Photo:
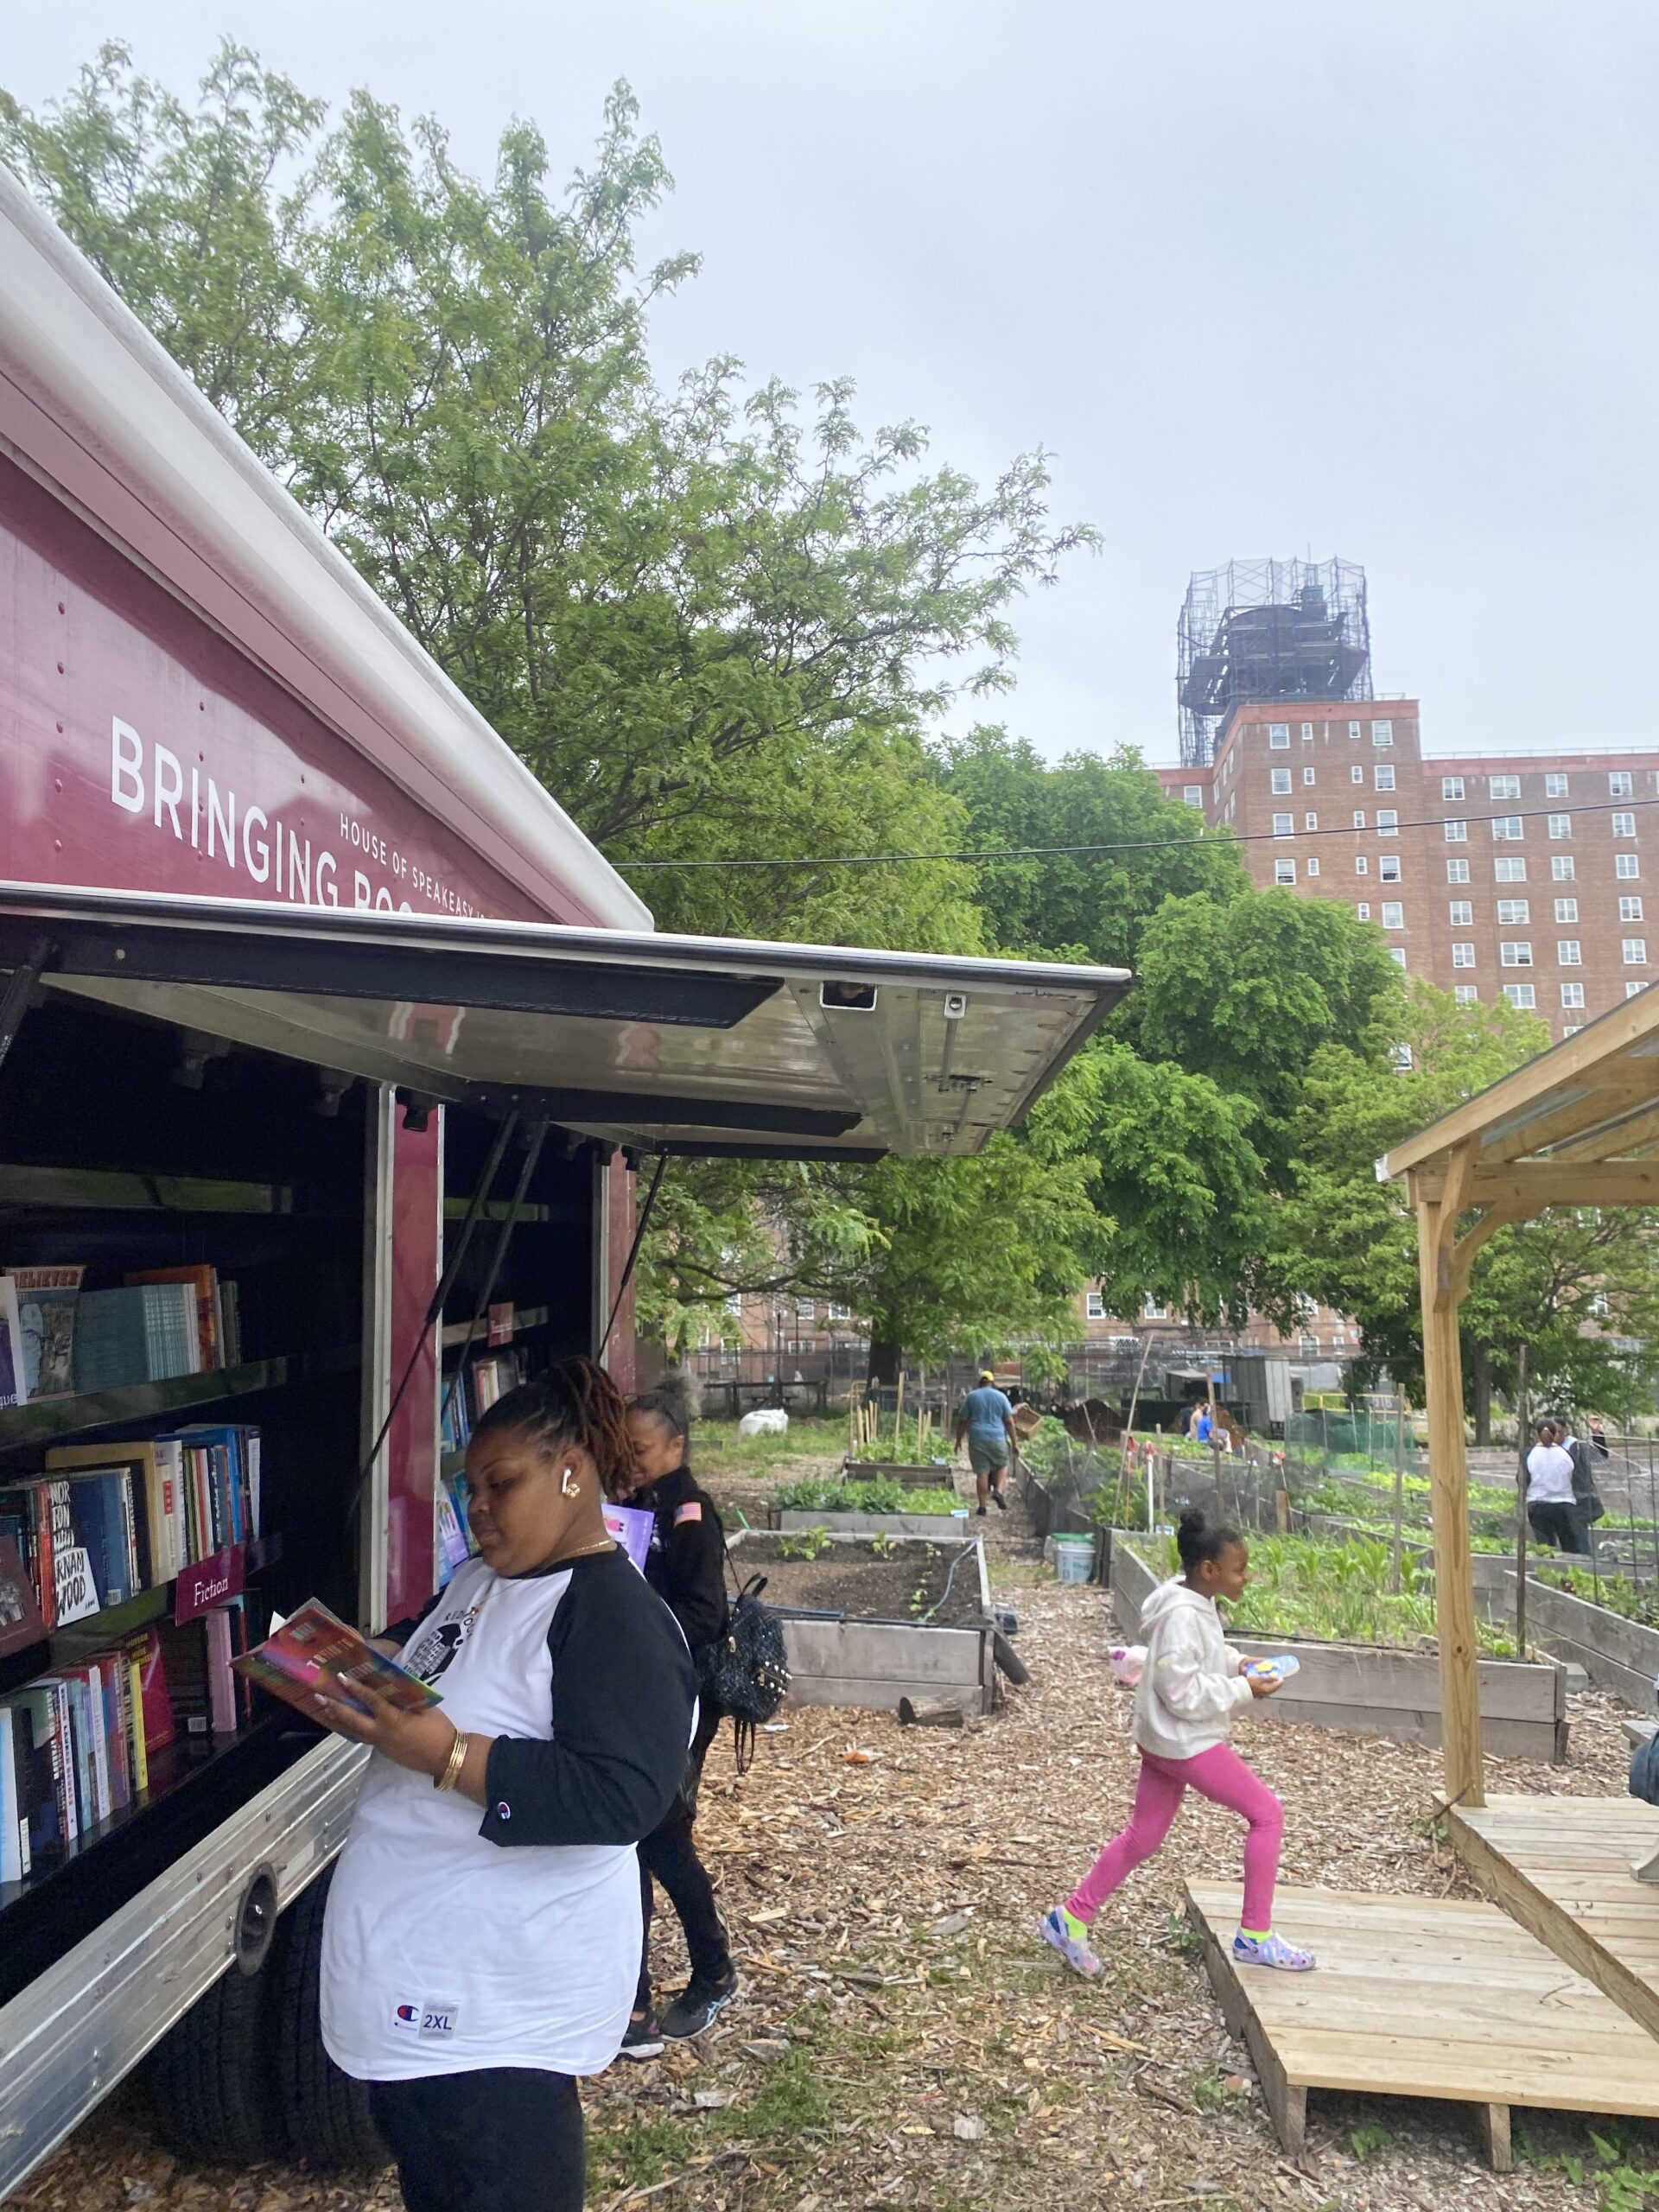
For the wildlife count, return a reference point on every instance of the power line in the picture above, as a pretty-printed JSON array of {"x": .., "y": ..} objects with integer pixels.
[{"x": 1144, "y": 844}]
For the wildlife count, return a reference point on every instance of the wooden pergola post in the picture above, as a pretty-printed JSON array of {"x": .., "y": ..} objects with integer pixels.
[{"x": 1444, "y": 1261}]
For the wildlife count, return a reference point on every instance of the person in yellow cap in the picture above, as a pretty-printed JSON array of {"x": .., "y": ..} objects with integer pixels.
[{"x": 985, "y": 1419}]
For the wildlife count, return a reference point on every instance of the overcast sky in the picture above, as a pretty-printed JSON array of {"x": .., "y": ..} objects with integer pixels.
[{"x": 1370, "y": 280}]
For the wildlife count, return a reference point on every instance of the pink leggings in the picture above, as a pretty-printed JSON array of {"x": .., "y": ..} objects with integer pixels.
[{"x": 1218, "y": 1774}]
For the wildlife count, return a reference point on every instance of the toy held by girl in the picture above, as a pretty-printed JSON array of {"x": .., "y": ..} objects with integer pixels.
[{"x": 1189, "y": 1683}]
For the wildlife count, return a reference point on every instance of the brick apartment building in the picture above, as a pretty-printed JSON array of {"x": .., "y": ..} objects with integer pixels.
[{"x": 1524, "y": 874}]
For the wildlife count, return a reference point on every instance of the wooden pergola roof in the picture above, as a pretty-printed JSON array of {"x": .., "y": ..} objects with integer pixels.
[{"x": 1577, "y": 1127}]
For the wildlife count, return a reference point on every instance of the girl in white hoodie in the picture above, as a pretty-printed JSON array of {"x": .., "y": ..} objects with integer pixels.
[{"x": 1191, "y": 1683}]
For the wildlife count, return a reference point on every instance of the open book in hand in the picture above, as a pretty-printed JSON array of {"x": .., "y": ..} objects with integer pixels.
[{"x": 312, "y": 1643}]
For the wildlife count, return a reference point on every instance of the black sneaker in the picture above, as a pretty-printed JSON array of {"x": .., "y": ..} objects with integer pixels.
[
  {"x": 644, "y": 2038},
  {"x": 1000, "y": 1500},
  {"x": 698, "y": 2004},
  {"x": 981, "y": 1513}
]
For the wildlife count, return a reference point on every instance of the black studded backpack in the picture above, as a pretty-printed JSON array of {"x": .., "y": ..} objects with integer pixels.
[{"x": 746, "y": 1671}]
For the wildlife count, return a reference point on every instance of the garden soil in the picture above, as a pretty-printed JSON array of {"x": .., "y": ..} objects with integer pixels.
[
  {"x": 900, "y": 1584},
  {"x": 903, "y": 2041}
]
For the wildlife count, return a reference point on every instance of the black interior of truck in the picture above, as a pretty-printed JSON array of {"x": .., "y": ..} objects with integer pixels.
[{"x": 127, "y": 1147}]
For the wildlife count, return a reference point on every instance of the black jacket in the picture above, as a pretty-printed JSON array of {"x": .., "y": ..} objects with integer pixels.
[{"x": 687, "y": 1563}]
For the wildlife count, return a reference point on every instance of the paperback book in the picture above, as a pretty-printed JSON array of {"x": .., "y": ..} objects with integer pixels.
[{"x": 314, "y": 1643}]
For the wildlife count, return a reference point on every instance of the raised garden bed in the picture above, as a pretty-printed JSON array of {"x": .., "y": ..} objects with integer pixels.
[
  {"x": 854, "y": 1625},
  {"x": 1382, "y": 1689},
  {"x": 915, "y": 1474},
  {"x": 1617, "y": 1654},
  {"x": 871, "y": 1505}
]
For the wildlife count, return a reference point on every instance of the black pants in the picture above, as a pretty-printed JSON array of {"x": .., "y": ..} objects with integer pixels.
[
  {"x": 504, "y": 2139},
  {"x": 670, "y": 1852},
  {"x": 1554, "y": 1522}
]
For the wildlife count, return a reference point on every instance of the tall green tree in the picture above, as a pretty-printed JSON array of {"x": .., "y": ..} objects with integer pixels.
[
  {"x": 1566, "y": 1286},
  {"x": 709, "y": 620},
  {"x": 1094, "y": 904}
]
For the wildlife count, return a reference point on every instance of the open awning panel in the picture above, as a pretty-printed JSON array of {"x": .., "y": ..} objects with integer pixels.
[{"x": 692, "y": 1044}]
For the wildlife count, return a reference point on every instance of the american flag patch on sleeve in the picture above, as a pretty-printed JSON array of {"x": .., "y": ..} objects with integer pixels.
[{"x": 692, "y": 1512}]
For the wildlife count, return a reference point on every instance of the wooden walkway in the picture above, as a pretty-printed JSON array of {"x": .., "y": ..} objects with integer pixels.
[
  {"x": 1565, "y": 1867},
  {"x": 1422, "y": 1997}
]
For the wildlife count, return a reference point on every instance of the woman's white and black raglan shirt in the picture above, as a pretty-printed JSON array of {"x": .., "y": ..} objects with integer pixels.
[{"x": 453, "y": 1943}]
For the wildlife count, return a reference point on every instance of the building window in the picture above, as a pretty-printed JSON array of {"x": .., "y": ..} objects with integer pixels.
[
  {"x": 1362, "y": 866},
  {"x": 1457, "y": 833},
  {"x": 1554, "y": 787},
  {"x": 1192, "y": 794},
  {"x": 1623, "y": 825},
  {"x": 1562, "y": 867},
  {"x": 1381, "y": 733},
  {"x": 1307, "y": 775},
  {"x": 1355, "y": 774},
  {"x": 1515, "y": 952},
  {"x": 1394, "y": 914},
  {"x": 1310, "y": 822},
  {"x": 1513, "y": 912},
  {"x": 1463, "y": 913},
  {"x": 1450, "y": 787},
  {"x": 1636, "y": 951},
  {"x": 1561, "y": 825},
  {"x": 1364, "y": 911},
  {"x": 1397, "y": 954},
  {"x": 1566, "y": 953},
  {"x": 1356, "y": 731},
  {"x": 1504, "y": 786},
  {"x": 1630, "y": 989},
  {"x": 1629, "y": 910},
  {"x": 839, "y": 1313},
  {"x": 1284, "y": 871},
  {"x": 1282, "y": 783},
  {"x": 1359, "y": 817},
  {"x": 1307, "y": 733},
  {"x": 1385, "y": 775},
  {"x": 1279, "y": 736},
  {"x": 806, "y": 1309},
  {"x": 1467, "y": 994},
  {"x": 1626, "y": 867},
  {"x": 1620, "y": 784},
  {"x": 1509, "y": 829},
  {"x": 1151, "y": 1311},
  {"x": 1094, "y": 1305},
  {"x": 1520, "y": 995},
  {"x": 1569, "y": 1029},
  {"x": 1284, "y": 825},
  {"x": 1312, "y": 868},
  {"x": 1401, "y": 1056},
  {"x": 1571, "y": 994},
  {"x": 1457, "y": 871},
  {"x": 1463, "y": 955},
  {"x": 1388, "y": 867},
  {"x": 1388, "y": 822},
  {"x": 1567, "y": 910}
]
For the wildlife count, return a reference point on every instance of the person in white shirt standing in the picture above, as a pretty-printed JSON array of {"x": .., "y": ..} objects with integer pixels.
[
  {"x": 1553, "y": 1510},
  {"x": 483, "y": 1932}
]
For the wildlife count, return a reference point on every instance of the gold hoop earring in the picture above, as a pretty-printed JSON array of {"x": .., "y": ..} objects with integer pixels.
[{"x": 567, "y": 1488}]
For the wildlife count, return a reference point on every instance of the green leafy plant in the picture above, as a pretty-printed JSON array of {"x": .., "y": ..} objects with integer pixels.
[
  {"x": 884, "y": 1495},
  {"x": 805, "y": 1543},
  {"x": 1369, "y": 2138}
]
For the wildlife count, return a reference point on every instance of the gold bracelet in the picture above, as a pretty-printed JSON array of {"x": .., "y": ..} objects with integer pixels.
[{"x": 451, "y": 1774}]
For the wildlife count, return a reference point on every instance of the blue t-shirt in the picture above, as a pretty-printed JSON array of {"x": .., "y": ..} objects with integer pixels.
[{"x": 986, "y": 1411}]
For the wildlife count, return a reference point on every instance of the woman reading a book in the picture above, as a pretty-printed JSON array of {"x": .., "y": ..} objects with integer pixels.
[{"x": 473, "y": 1967}]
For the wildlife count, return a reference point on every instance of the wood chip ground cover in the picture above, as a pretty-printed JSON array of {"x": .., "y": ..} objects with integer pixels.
[{"x": 902, "y": 2039}]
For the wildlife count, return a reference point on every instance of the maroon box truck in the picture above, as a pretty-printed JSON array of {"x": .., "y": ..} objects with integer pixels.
[{"x": 312, "y": 997}]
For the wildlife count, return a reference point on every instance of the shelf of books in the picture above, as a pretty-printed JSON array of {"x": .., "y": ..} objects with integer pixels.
[{"x": 180, "y": 1313}]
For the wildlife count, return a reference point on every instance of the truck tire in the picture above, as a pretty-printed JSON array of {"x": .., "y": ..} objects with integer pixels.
[
  {"x": 324, "y": 2114},
  {"x": 208, "y": 2085}
]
